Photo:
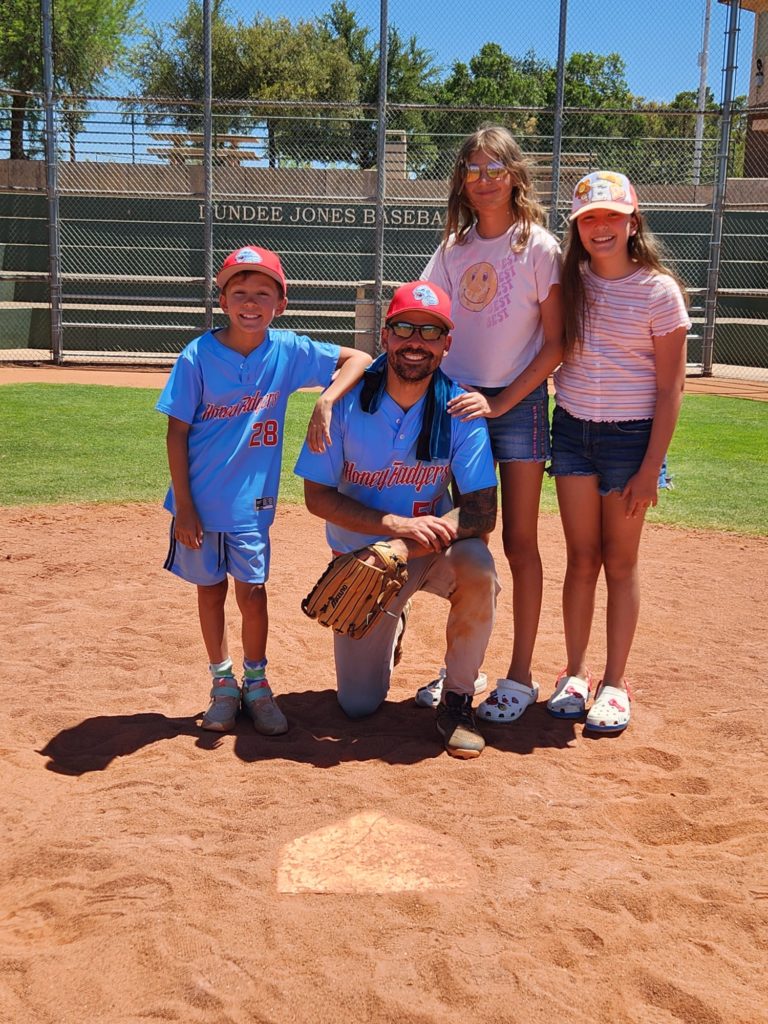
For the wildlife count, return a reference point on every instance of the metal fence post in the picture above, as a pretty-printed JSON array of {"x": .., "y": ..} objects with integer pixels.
[
  {"x": 715, "y": 246},
  {"x": 381, "y": 175},
  {"x": 52, "y": 189},
  {"x": 701, "y": 103},
  {"x": 208, "y": 165},
  {"x": 557, "y": 131}
]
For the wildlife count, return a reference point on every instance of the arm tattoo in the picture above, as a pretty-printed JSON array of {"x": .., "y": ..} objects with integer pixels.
[{"x": 476, "y": 515}]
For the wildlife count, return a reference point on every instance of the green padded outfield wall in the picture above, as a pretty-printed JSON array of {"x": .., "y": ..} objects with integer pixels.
[{"x": 138, "y": 241}]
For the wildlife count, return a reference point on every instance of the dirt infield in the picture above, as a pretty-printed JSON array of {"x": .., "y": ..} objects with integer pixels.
[{"x": 352, "y": 872}]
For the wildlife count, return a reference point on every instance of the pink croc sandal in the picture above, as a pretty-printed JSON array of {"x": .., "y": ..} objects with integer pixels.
[
  {"x": 570, "y": 697},
  {"x": 611, "y": 710}
]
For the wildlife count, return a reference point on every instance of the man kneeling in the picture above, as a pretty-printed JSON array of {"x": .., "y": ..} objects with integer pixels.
[{"x": 385, "y": 475}]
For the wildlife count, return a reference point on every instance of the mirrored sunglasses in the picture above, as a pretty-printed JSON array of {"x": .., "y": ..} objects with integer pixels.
[
  {"x": 428, "y": 332},
  {"x": 492, "y": 171}
]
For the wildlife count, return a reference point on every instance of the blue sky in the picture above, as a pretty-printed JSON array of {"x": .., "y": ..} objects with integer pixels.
[{"x": 659, "y": 40}]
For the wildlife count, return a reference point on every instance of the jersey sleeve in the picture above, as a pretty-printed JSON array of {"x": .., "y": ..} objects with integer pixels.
[
  {"x": 312, "y": 362},
  {"x": 546, "y": 266},
  {"x": 183, "y": 391},
  {"x": 472, "y": 462},
  {"x": 324, "y": 467},
  {"x": 668, "y": 311}
]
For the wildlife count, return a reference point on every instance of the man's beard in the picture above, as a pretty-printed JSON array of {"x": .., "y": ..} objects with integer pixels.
[{"x": 411, "y": 372}]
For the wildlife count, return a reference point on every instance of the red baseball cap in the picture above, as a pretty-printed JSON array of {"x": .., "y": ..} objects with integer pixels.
[
  {"x": 251, "y": 257},
  {"x": 424, "y": 296}
]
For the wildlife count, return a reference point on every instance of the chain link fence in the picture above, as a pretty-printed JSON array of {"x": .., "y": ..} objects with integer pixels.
[{"x": 110, "y": 234}]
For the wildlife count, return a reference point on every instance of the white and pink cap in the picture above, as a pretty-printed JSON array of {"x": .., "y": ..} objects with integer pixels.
[{"x": 603, "y": 190}]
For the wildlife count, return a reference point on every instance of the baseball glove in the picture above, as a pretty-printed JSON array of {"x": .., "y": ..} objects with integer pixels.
[{"x": 351, "y": 594}]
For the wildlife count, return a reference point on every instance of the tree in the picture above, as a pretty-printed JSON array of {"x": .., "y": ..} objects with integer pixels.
[
  {"x": 88, "y": 41},
  {"x": 412, "y": 78},
  {"x": 168, "y": 67},
  {"x": 495, "y": 80},
  {"x": 264, "y": 60},
  {"x": 301, "y": 62}
]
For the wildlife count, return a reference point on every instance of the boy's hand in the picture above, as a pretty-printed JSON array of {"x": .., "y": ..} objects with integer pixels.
[
  {"x": 188, "y": 528},
  {"x": 319, "y": 429}
]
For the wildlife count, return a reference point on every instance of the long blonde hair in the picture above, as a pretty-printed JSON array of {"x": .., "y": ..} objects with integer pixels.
[
  {"x": 525, "y": 207},
  {"x": 644, "y": 250}
]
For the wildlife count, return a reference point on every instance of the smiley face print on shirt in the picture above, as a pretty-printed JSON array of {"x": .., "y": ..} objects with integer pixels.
[{"x": 478, "y": 286}]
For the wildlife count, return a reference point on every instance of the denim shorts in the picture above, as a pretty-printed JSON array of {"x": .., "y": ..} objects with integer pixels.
[
  {"x": 612, "y": 452},
  {"x": 245, "y": 556},
  {"x": 522, "y": 433}
]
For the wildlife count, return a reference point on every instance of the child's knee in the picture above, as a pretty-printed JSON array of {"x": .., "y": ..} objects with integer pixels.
[
  {"x": 213, "y": 594},
  {"x": 251, "y": 596},
  {"x": 585, "y": 562},
  {"x": 520, "y": 551},
  {"x": 620, "y": 567}
]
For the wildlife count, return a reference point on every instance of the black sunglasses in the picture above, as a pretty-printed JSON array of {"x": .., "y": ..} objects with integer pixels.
[{"x": 429, "y": 332}]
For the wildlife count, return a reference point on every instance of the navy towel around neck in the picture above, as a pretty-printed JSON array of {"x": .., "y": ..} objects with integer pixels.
[{"x": 435, "y": 436}]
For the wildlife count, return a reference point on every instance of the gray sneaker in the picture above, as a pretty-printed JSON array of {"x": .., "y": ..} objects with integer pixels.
[
  {"x": 456, "y": 724},
  {"x": 224, "y": 707},
  {"x": 259, "y": 703}
]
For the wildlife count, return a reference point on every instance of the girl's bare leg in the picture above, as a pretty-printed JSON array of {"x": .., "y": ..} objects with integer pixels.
[{"x": 520, "y": 498}]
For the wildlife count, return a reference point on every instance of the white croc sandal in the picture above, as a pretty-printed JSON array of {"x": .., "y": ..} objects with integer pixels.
[
  {"x": 429, "y": 696},
  {"x": 570, "y": 697},
  {"x": 508, "y": 701},
  {"x": 611, "y": 710}
]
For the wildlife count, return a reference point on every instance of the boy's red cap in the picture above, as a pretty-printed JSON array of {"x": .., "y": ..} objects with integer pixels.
[
  {"x": 424, "y": 296},
  {"x": 251, "y": 257}
]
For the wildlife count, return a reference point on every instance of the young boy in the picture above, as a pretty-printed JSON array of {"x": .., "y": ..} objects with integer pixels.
[{"x": 226, "y": 404}]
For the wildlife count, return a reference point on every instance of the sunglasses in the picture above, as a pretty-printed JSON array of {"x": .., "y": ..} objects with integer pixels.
[
  {"x": 492, "y": 171},
  {"x": 428, "y": 332}
]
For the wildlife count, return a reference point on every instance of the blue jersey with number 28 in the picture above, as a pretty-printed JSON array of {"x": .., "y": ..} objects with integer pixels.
[{"x": 236, "y": 407}]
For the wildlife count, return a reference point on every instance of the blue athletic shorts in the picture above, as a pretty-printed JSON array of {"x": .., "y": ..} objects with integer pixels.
[
  {"x": 245, "y": 556},
  {"x": 522, "y": 433},
  {"x": 611, "y": 451}
]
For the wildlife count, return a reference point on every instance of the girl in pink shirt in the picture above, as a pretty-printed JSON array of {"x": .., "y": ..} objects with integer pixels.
[{"x": 618, "y": 396}]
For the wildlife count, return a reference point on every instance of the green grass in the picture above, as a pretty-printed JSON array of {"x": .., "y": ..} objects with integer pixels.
[
  {"x": 72, "y": 443},
  {"x": 86, "y": 443}
]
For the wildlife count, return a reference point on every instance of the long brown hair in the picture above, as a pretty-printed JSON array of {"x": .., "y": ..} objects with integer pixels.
[
  {"x": 525, "y": 208},
  {"x": 644, "y": 250}
]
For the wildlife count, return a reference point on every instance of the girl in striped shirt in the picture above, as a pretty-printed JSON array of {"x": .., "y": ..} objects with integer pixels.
[{"x": 618, "y": 396}]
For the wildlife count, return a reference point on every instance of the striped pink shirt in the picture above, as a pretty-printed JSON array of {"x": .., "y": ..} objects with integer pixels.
[{"x": 613, "y": 377}]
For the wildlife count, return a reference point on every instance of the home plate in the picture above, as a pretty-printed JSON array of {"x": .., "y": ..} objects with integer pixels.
[{"x": 370, "y": 853}]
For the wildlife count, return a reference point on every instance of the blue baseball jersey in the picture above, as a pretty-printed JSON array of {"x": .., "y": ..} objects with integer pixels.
[
  {"x": 373, "y": 460},
  {"x": 236, "y": 408}
]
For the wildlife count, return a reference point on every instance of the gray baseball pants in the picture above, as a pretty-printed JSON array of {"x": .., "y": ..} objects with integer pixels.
[{"x": 465, "y": 575}]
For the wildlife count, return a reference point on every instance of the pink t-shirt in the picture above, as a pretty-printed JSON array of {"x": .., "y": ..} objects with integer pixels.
[
  {"x": 613, "y": 376},
  {"x": 495, "y": 295}
]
